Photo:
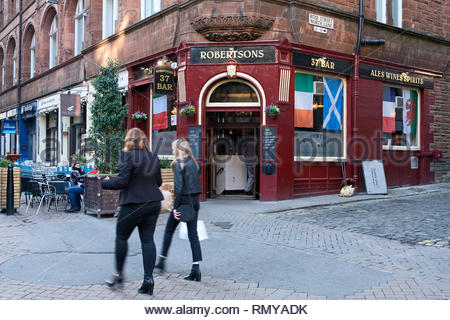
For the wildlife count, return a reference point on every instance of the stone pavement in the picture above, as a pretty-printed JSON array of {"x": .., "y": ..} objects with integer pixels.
[{"x": 364, "y": 247}]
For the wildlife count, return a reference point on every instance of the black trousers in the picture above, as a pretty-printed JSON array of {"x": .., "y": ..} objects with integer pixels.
[
  {"x": 143, "y": 216},
  {"x": 172, "y": 224}
]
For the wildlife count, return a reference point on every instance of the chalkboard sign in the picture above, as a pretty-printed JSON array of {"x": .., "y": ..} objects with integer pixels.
[
  {"x": 269, "y": 151},
  {"x": 374, "y": 177},
  {"x": 195, "y": 140},
  {"x": 269, "y": 141}
]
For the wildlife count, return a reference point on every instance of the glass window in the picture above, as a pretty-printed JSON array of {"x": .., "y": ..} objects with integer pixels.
[
  {"x": 14, "y": 70},
  {"x": 164, "y": 124},
  {"x": 33, "y": 56},
  {"x": 400, "y": 117},
  {"x": 319, "y": 116},
  {"x": 53, "y": 42},
  {"x": 233, "y": 92},
  {"x": 397, "y": 13},
  {"x": 380, "y": 8},
  {"x": 3, "y": 72},
  {"x": 149, "y": 7},
  {"x": 79, "y": 27},
  {"x": 110, "y": 14}
]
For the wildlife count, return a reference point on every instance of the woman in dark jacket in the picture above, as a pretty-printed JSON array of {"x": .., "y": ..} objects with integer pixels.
[
  {"x": 139, "y": 180},
  {"x": 187, "y": 191},
  {"x": 77, "y": 189}
]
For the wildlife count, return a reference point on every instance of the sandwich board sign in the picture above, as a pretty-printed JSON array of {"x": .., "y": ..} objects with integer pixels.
[{"x": 374, "y": 177}]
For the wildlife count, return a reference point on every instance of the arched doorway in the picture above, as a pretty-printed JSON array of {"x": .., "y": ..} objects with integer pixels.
[{"x": 233, "y": 118}]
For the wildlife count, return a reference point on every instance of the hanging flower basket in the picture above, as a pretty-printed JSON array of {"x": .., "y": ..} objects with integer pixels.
[
  {"x": 188, "y": 111},
  {"x": 140, "y": 116},
  {"x": 272, "y": 111}
]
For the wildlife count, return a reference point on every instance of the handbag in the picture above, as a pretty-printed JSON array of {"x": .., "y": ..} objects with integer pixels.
[
  {"x": 166, "y": 204},
  {"x": 187, "y": 212}
]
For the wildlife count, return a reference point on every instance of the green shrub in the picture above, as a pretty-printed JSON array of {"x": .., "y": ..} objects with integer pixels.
[{"x": 5, "y": 162}]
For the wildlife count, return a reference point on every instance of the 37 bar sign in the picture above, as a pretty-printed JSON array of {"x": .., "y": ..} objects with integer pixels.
[{"x": 163, "y": 80}]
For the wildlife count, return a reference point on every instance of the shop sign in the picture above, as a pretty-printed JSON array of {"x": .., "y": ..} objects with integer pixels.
[
  {"x": 241, "y": 54},
  {"x": 28, "y": 110},
  {"x": 8, "y": 126},
  {"x": 123, "y": 79},
  {"x": 70, "y": 105},
  {"x": 163, "y": 80},
  {"x": 321, "y": 63},
  {"x": 48, "y": 104},
  {"x": 11, "y": 113},
  {"x": 396, "y": 76},
  {"x": 321, "y": 21}
]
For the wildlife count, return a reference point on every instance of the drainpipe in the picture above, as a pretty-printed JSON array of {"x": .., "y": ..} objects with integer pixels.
[
  {"x": 19, "y": 83},
  {"x": 355, "y": 129}
]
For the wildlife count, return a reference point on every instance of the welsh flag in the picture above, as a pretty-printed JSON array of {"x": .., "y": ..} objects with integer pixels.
[
  {"x": 303, "y": 117},
  {"x": 388, "y": 109},
  {"x": 409, "y": 111},
  {"x": 160, "y": 113}
]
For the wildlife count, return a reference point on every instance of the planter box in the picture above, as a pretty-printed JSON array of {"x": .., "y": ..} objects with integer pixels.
[
  {"x": 98, "y": 201},
  {"x": 3, "y": 187},
  {"x": 167, "y": 178}
]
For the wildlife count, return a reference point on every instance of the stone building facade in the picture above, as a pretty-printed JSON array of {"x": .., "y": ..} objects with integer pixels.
[{"x": 139, "y": 32}]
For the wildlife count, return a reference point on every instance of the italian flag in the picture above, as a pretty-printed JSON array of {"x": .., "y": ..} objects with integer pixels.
[
  {"x": 409, "y": 111},
  {"x": 160, "y": 113},
  {"x": 303, "y": 117},
  {"x": 388, "y": 109}
]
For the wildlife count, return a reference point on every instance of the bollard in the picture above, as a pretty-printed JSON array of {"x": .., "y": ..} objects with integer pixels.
[{"x": 10, "y": 192}]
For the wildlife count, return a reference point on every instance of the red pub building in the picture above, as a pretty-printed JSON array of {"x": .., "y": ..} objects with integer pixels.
[{"x": 326, "y": 121}]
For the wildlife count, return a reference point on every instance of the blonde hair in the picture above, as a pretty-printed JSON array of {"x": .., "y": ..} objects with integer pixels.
[
  {"x": 181, "y": 150},
  {"x": 136, "y": 140}
]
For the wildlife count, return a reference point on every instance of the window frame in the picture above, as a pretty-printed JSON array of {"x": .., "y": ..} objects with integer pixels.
[
  {"x": 79, "y": 21},
  {"x": 397, "y": 13},
  {"x": 145, "y": 4},
  {"x": 418, "y": 125},
  {"x": 110, "y": 9},
  {"x": 232, "y": 104},
  {"x": 380, "y": 10},
  {"x": 33, "y": 56},
  {"x": 53, "y": 43},
  {"x": 14, "y": 67},
  {"x": 344, "y": 121}
]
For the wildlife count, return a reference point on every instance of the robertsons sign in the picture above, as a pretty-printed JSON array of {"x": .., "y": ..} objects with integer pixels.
[{"x": 241, "y": 54}]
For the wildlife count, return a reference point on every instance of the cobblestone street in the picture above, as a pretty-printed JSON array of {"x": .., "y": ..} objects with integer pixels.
[{"x": 371, "y": 249}]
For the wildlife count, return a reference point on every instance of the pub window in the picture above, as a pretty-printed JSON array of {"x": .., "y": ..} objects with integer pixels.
[
  {"x": 397, "y": 13},
  {"x": 319, "y": 116},
  {"x": 149, "y": 7},
  {"x": 235, "y": 92},
  {"x": 164, "y": 124},
  {"x": 400, "y": 117}
]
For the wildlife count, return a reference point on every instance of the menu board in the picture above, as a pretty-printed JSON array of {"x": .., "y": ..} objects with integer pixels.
[
  {"x": 195, "y": 140},
  {"x": 374, "y": 177},
  {"x": 269, "y": 150},
  {"x": 269, "y": 141}
]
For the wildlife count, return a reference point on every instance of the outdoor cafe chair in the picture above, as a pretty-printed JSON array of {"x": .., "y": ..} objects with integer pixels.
[
  {"x": 60, "y": 191},
  {"x": 41, "y": 191}
]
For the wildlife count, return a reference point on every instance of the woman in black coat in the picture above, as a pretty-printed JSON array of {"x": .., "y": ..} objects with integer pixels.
[
  {"x": 187, "y": 191},
  {"x": 139, "y": 180}
]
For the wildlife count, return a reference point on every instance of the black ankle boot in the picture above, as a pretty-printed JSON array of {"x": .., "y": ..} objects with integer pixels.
[
  {"x": 115, "y": 280},
  {"x": 195, "y": 273},
  {"x": 161, "y": 265},
  {"x": 147, "y": 286}
]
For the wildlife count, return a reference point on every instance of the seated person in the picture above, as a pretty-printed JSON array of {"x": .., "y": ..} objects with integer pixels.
[{"x": 77, "y": 189}]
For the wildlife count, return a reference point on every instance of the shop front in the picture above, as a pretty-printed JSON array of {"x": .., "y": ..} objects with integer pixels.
[
  {"x": 9, "y": 132},
  {"x": 49, "y": 135},
  {"x": 27, "y": 131},
  {"x": 274, "y": 120}
]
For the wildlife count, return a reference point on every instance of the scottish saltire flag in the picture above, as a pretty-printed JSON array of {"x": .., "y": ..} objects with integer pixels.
[
  {"x": 160, "y": 113},
  {"x": 303, "y": 116},
  {"x": 388, "y": 109},
  {"x": 409, "y": 111},
  {"x": 332, "y": 104}
]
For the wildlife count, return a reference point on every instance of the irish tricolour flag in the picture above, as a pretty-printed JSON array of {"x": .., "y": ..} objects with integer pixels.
[
  {"x": 388, "y": 109},
  {"x": 160, "y": 113},
  {"x": 303, "y": 117},
  {"x": 409, "y": 111}
]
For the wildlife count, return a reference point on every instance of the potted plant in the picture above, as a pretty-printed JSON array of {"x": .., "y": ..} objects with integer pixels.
[
  {"x": 188, "y": 110},
  {"x": 139, "y": 116},
  {"x": 272, "y": 111},
  {"x": 4, "y": 183},
  {"x": 108, "y": 115}
]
